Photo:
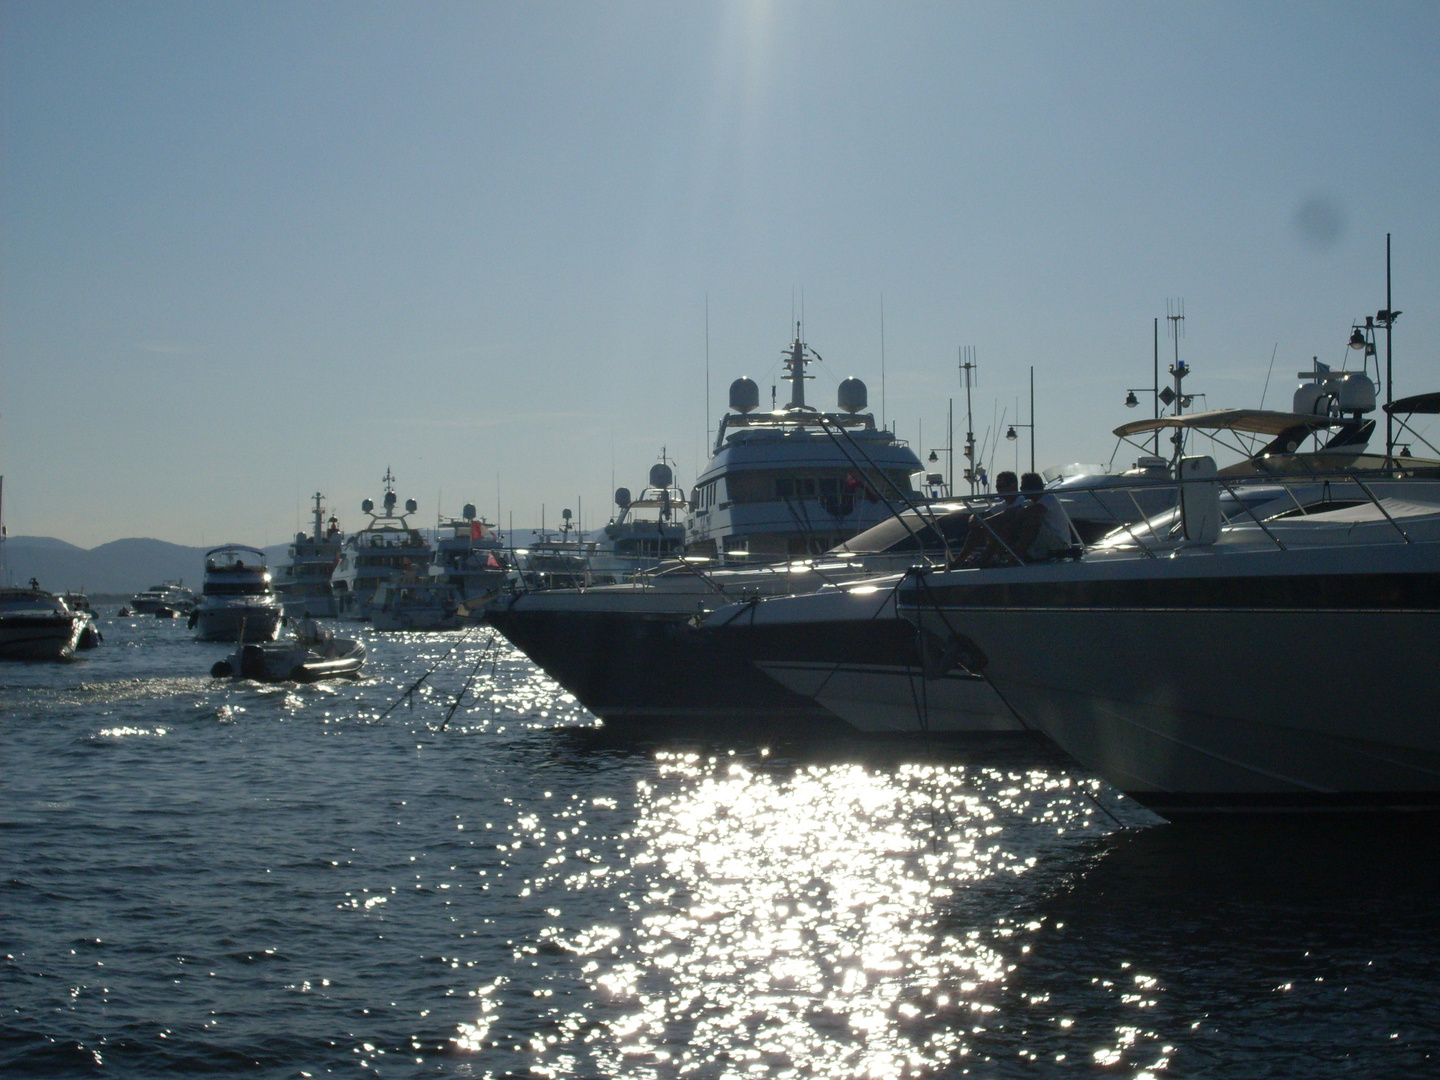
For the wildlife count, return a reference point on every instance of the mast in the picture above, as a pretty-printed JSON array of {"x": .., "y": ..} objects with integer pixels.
[
  {"x": 319, "y": 517},
  {"x": 1390, "y": 314},
  {"x": 796, "y": 365},
  {"x": 967, "y": 369}
]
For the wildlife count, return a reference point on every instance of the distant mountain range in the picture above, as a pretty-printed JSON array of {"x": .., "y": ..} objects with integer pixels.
[{"x": 121, "y": 567}]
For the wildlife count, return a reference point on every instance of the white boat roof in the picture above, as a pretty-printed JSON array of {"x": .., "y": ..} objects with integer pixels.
[{"x": 1256, "y": 421}]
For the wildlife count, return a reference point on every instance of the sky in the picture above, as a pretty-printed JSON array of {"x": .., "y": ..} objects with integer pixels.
[{"x": 251, "y": 251}]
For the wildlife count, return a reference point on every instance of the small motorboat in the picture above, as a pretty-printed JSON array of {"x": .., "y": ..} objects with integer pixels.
[{"x": 313, "y": 655}]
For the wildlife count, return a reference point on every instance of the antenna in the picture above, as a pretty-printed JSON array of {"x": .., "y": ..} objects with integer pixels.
[
  {"x": 968, "y": 380},
  {"x": 882, "y": 360},
  {"x": 707, "y": 383}
]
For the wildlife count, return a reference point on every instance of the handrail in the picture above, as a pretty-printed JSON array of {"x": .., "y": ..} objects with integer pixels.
[
  {"x": 1246, "y": 507},
  {"x": 1371, "y": 495}
]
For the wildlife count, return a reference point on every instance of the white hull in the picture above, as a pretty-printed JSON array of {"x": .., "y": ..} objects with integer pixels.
[
  {"x": 847, "y": 650},
  {"x": 1121, "y": 692},
  {"x": 1232, "y": 673},
  {"x": 880, "y": 699}
]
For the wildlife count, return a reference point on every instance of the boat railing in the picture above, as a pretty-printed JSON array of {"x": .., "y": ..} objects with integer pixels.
[{"x": 1260, "y": 501}]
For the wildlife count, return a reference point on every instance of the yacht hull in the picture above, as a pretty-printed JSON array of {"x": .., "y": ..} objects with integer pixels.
[
  {"x": 850, "y": 653},
  {"x": 39, "y": 637},
  {"x": 261, "y": 623},
  {"x": 1288, "y": 695},
  {"x": 650, "y": 672}
]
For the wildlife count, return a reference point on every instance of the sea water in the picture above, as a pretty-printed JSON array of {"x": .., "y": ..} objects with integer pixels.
[{"x": 207, "y": 877}]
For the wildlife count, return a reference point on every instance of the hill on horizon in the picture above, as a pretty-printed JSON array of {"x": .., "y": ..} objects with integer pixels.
[{"x": 120, "y": 567}]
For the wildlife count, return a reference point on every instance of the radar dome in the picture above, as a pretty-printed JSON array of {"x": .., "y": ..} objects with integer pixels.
[
  {"x": 389, "y": 500},
  {"x": 367, "y": 506},
  {"x": 411, "y": 506},
  {"x": 660, "y": 475},
  {"x": 622, "y": 498},
  {"x": 744, "y": 395},
  {"x": 300, "y": 538},
  {"x": 565, "y": 513},
  {"x": 1357, "y": 394},
  {"x": 469, "y": 512},
  {"x": 1307, "y": 397},
  {"x": 852, "y": 395}
]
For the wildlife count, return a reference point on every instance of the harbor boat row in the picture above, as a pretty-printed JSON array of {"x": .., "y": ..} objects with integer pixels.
[
  {"x": 1200, "y": 635},
  {"x": 1234, "y": 628}
]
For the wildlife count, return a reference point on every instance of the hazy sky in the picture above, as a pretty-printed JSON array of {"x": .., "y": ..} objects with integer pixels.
[{"x": 251, "y": 250}]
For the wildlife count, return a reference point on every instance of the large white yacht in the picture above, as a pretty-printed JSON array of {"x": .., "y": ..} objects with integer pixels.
[
  {"x": 648, "y": 530},
  {"x": 387, "y": 547},
  {"x": 796, "y": 480},
  {"x": 304, "y": 582},
  {"x": 237, "y": 600},
  {"x": 471, "y": 558}
]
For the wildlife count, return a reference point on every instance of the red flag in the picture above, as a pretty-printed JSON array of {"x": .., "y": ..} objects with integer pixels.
[{"x": 476, "y": 530}]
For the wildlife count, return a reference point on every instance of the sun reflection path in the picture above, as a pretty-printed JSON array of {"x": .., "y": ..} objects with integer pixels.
[{"x": 787, "y": 922}]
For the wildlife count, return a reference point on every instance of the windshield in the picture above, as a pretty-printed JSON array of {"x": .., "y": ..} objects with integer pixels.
[{"x": 911, "y": 531}]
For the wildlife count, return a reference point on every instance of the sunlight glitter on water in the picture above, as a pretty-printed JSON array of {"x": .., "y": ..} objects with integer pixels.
[{"x": 805, "y": 923}]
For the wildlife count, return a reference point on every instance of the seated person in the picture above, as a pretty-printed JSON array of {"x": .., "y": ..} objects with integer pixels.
[
  {"x": 1044, "y": 531},
  {"x": 982, "y": 548}
]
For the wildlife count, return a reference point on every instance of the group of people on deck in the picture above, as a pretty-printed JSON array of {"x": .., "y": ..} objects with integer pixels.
[{"x": 1026, "y": 523}]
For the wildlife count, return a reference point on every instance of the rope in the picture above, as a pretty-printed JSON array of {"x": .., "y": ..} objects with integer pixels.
[
  {"x": 417, "y": 683},
  {"x": 470, "y": 679}
]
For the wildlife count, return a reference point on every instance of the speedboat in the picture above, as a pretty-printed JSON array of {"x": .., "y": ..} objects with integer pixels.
[
  {"x": 387, "y": 547},
  {"x": 237, "y": 601},
  {"x": 304, "y": 582},
  {"x": 169, "y": 598},
  {"x": 314, "y": 654},
  {"x": 37, "y": 625},
  {"x": 1279, "y": 656}
]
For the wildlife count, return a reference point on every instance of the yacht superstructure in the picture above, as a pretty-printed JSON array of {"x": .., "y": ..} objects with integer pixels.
[
  {"x": 304, "y": 582},
  {"x": 647, "y": 530},
  {"x": 796, "y": 480},
  {"x": 387, "y": 547},
  {"x": 471, "y": 558}
]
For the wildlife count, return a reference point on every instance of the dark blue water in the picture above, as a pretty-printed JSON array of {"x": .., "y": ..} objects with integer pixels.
[{"x": 214, "y": 878}]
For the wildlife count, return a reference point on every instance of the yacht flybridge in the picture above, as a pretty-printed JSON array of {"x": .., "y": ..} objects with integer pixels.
[
  {"x": 387, "y": 547},
  {"x": 796, "y": 480}
]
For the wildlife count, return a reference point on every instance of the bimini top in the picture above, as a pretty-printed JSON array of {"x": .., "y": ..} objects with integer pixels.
[
  {"x": 1253, "y": 421},
  {"x": 1416, "y": 403},
  {"x": 234, "y": 557},
  {"x": 236, "y": 548}
]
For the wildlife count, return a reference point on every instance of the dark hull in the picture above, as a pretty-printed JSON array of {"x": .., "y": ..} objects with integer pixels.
[{"x": 653, "y": 674}]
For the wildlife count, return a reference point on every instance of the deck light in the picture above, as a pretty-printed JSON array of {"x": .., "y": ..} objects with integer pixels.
[{"x": 1131, "y": 400}]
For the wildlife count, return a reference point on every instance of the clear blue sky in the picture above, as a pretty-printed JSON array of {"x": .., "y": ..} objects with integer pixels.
[{"x": 251, "y": 250}]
